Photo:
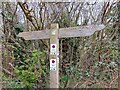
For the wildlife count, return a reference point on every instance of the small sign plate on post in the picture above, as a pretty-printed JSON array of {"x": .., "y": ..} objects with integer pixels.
[
  {"x": 53, "y": 49},
  {"x": 53, "y": 64}
]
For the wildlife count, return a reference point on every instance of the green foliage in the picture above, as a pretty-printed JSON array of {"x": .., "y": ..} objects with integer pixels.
[
  {"x": 63, "y": 80},
  {"x": 32, "y": 68},
  {"x": 11, "y": 82}
]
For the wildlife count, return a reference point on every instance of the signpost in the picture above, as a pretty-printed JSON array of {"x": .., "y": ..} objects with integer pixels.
[{"x": 54, "y": 34}]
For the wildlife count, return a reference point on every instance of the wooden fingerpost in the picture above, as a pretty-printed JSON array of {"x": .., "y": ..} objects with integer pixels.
[
  {"x": 54, "y": 60},
  {"x": 54, "y": 34}
]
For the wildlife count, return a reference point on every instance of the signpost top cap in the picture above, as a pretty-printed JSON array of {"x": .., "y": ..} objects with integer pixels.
[{"x": 54, "y": 25}]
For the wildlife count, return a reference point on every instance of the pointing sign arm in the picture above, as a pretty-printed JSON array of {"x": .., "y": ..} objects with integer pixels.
[
  {"x": 63, "y": 32},
  {"x": 34, "y": 35},
  {"x": 79, "y": 31}
]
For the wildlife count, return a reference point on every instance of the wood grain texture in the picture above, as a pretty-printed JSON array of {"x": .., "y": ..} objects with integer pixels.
[
  {"x": 79, "y": 31},
  {"x": 63, "y": 32},
  {"x": 34, "y": 35},
  {"x": 54, "y": 74}
]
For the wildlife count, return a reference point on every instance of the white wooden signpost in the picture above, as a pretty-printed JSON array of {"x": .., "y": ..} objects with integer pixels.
[{"x": 54, "y": 34}]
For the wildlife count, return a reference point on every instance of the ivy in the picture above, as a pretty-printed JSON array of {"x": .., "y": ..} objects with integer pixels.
[{"x": 33, "y": 67}]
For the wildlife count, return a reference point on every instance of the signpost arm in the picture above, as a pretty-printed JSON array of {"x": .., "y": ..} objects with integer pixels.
[
  {"x": 54, "y": 60},
  {"x": 63, "y": 32}
]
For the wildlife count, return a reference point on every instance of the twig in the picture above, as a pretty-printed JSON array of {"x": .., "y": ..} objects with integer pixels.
[{"x": 8, "y": 72}]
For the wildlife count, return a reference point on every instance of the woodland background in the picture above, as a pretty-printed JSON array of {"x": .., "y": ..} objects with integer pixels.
[{"x": 85, "y": 62}]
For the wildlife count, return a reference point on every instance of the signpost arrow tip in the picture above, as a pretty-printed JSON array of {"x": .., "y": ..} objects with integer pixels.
[{"x": 100, "y": 27}]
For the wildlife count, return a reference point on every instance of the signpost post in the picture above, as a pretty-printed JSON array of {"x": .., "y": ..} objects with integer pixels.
[
  {"x": 54, "y": 60},
  {"x": 54, "y": 34}
]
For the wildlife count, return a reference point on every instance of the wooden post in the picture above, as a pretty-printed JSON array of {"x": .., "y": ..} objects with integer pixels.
[{"x": 54, "y": 60}]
